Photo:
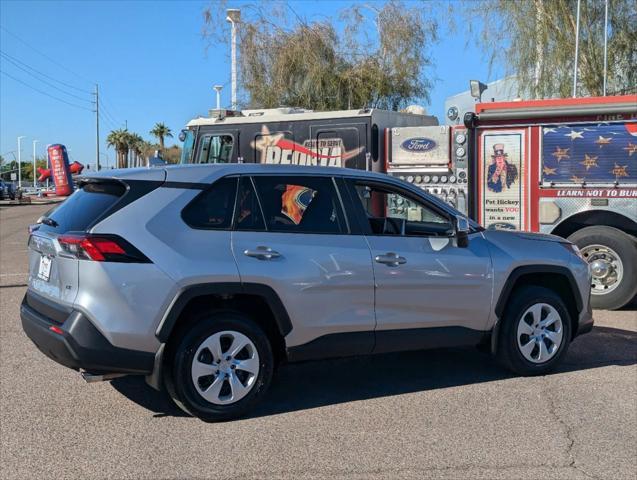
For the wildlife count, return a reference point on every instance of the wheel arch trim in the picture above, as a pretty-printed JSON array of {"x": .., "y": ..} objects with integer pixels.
[
  {"x": 190, "y": 292},
  {"x": 523, "y": 270},
  {"x": 510, "y": 282},
  {"x": 612, "y": 219}
]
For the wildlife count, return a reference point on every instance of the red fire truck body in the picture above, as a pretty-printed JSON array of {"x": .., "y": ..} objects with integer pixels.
[{"x": 566, "y": 167}]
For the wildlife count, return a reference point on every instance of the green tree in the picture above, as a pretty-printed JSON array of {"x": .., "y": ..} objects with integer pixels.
[
  {"x": 172, "y": 154},
  {"x": 27, "y": 168},
  {"x": 119, "y": 140},
  {"x": 536, "y": 41},
  {"x": 135, "y": 143},
  {"x": 375, "y": 55},
  {"x": 161, "y": 131}
]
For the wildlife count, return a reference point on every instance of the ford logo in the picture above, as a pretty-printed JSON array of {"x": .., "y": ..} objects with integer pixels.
[{"x": 418, "y": 144}]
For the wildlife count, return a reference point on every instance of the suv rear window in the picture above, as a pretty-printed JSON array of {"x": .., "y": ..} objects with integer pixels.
[
  {"x": 78, "y": 212},
  {"x": 212, "y": 209}
]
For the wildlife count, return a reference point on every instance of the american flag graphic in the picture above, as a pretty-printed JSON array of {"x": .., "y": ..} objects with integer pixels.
[{"x": 590, "y": 153}]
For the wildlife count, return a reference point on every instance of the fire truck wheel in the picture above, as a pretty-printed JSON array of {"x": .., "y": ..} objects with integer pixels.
[{"x": 612, "y": 255}]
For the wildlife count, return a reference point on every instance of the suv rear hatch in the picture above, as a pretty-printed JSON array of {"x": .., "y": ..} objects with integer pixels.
[{"x": 53, "y": 264}]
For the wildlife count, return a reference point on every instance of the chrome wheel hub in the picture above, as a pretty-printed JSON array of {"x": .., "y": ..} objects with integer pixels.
[
  {"x": 606, "y": 267},
  {"x": 225, "y": 367},
  {"x": 539, "y": 333}
]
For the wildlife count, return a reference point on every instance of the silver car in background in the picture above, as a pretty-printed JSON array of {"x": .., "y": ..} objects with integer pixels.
[{"x": 204, "y": 278}]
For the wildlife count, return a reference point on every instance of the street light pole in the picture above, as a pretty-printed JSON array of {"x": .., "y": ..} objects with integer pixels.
[
  {"x": 20, "y": 160},
  {"x": 234, "y": 16},
  {"x": 34, "y": 142},
  {"x": 218, "y": 90}
]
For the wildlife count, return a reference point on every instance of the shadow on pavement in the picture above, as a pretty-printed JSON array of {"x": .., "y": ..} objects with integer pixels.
[
  {"x": 136, "y": 389},
  {"x": 314, "y": 384}
]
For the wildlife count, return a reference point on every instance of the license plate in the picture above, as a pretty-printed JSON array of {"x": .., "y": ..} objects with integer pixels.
[{"x": 44, "y": 271}]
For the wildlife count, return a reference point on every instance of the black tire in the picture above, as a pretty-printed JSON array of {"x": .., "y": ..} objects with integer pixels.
[
  {"x": 508, "y": 352},
  {"x": 177, "y": 374},
  {"x": 626, "y": 248}
]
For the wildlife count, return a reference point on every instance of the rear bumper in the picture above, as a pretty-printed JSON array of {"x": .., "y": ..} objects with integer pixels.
[{"x": 78, "y": 344}]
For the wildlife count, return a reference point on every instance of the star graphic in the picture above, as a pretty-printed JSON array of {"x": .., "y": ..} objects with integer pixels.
[
  {"x": 619, "y": 171},
  {"x": 575, "y": 179},
  {"x": 601, "y": 141},
  {"x": 574, "y": 134},
  {"x": 549, "y": 130},
  {"x": 549, "y": 171},
  {"x": 589, "y": 161},
  {"x": 561, "y": 153},
  {"x": 266, "y": 140},
  {"x": 631, "y": 148}
]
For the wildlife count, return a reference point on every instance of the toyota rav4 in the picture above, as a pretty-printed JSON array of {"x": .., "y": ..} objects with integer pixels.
[{"x": 204, "y": 278}]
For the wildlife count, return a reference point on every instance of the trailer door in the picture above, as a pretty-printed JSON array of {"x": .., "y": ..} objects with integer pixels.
[{"x": 338, "y": 145}]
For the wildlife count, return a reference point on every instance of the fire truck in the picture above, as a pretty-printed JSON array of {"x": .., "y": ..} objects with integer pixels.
[{"x": 566, "y": 167}]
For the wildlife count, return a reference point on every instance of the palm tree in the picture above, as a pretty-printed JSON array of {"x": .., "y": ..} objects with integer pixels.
[
  {"x": 135, "y": 145},
  {"x": 160, "y": 131},
  {"x": 118, "y": 139}
]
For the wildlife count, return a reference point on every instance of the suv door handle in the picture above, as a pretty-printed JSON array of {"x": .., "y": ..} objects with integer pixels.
[
  {"x": 391, "y": 259},
  {"x": 262, "y": 253}
]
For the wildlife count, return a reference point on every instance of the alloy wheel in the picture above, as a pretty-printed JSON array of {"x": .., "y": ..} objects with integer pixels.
[
  {"x": 540, "y": 333},
  {"x": 225, "y": 367}
]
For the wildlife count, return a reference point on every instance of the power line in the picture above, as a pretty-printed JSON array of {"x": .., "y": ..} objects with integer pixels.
[
  {"x": 107, "y": 112},
  {"x": 14, "y": 59},
  {"x": 109, "y": 122},
  {"x": 42, "y": 80},
  {"x": 109, "y": 108},
  {"x": 56, "y": 62},
  {"x": 43, "y": 92}
]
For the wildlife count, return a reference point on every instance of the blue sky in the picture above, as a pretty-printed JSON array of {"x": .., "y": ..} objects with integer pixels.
[{"x": 151, "y": 65}]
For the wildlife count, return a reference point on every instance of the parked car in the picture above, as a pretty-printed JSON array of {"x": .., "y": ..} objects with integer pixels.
[
  {"x": 205, "y": 278},
  {"x": 8, "y": 191}
]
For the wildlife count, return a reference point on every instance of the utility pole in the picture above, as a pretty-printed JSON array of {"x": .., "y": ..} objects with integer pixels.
[
  {"x": 97, "y": 127},
  {"x": 605, "y": 44},
  {"x": 234, "y": 16},
  {"x": 34, "y": 142},
  {"x": 579, "y": 2},
  {"x": 20, "y": 160}
]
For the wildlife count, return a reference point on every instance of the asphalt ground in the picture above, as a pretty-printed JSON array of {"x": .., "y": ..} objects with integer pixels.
[{"x": 450, "y": 413}]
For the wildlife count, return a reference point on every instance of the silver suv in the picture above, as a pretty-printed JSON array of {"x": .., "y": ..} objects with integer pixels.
[{"x": 205, "y": 277}]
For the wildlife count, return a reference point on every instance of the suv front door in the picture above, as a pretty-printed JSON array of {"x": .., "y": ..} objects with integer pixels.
[
  {"x": 423, "y": 279},
  {"x": 290, "y": 233}
]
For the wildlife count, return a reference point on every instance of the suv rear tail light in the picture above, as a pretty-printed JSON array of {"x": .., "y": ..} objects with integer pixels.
[{"x": 101, "y": 248}]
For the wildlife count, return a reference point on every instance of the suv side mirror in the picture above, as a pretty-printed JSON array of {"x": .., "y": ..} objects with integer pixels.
[{"x": 462, "y": 231}]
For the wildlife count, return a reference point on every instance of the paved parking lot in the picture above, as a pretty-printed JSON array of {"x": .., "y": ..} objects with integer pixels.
[{"x": 437, "y": 414}]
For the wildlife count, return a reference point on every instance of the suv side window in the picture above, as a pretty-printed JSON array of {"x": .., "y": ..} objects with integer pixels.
[
  {"x": 248, "y": 215},
  {"x": 215, "y": 149},
  {"x": 212, "y": 209},
  {"x": 300, "y": 204},
  {"x": 390, "y": 212}
]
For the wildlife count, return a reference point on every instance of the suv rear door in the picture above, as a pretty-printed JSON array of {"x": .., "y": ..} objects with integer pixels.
[{"x": 290, "y": 233}]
